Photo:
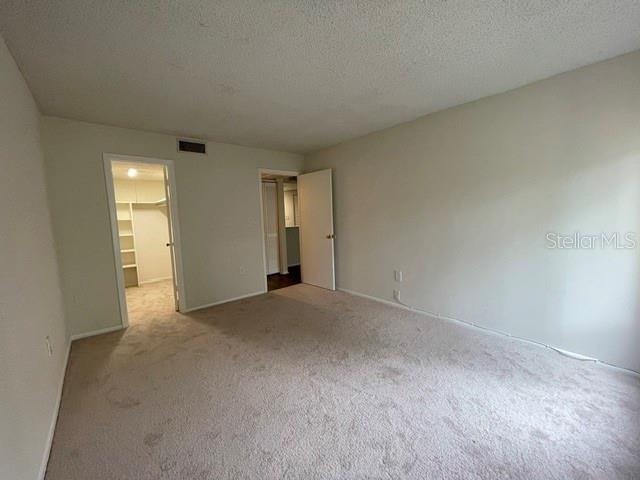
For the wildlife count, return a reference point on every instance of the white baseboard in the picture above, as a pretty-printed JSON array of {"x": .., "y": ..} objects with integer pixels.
[
  {"x": 93, "y": 333},
  {"x": 200, "y": 307},
  {"x": 54, "y": 419},
  {"x": 379, "y": 300},
  {"x": 567, "y": 353},
  {"x": 294, "y": 265}
]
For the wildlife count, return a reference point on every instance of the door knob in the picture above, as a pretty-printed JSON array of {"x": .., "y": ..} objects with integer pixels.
[
  {"x": 330, "y": 236},
  {"x": 168, "y": 244}
]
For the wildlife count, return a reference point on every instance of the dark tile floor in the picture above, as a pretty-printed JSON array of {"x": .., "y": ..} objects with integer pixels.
[{"x": 277, "y": 280}]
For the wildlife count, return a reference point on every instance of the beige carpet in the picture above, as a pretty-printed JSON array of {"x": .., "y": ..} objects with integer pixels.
[{"x": 304, "y": 383}]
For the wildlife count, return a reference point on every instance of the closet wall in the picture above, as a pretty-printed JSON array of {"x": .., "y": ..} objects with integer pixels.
[
  {"x": 130, "y": 190},
  {"x": 151, "y": 256},
  {"x": 291, "y": 223}
]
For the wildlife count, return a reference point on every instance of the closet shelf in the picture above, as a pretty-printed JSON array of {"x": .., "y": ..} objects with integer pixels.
[
  {"x": 125, "y": 221},
  {"x": 159, "y": 203}
]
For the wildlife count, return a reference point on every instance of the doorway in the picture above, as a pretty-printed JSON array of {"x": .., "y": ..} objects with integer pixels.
[
  {"x": 280, "y": 230},
  {"x": 297, "y": 221},
  {"x": 142, "y": 209}
]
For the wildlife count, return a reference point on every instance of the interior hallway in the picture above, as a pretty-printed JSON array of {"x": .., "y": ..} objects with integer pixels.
[{"x": 307, "y": 383}]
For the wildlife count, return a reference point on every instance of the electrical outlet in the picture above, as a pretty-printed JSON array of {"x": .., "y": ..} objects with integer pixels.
[
  {"x": 398, "y": 275},
  {"x": 49, "y": 346},
  {"x": 243, "y": 270},
  {"x": 396, "y": 295}
]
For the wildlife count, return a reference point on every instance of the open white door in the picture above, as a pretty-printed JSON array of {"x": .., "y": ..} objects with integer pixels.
[
  {"x": 315, "y": 200},
  {"x": 171, "y": 244}
]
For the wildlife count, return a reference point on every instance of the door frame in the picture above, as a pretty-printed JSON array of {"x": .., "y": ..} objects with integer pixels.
[
  {"x": 268, "y": 171},
  {"x": 172, "y": 205}
]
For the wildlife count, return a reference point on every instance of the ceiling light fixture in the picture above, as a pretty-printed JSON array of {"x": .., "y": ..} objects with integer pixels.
[{"x": 132, "y": 172}]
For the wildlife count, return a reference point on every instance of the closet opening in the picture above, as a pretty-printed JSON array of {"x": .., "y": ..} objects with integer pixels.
[
  {"x": 281, "y": 222},
  {"x": 142, "y": 206}
]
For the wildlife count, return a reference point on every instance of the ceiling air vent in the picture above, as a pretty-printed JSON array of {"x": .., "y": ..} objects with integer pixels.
[{"x": 193, "y": 147}]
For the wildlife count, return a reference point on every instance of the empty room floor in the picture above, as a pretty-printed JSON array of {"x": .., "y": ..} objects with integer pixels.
[{"x": 307, "y": 383}]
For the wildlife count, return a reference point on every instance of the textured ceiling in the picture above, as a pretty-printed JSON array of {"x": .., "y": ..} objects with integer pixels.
[{"x": 297, "y": 75}]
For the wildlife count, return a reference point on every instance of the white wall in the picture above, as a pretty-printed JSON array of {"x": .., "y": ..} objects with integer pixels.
[
  {"x": 291, "y": 222},
  {"x": 30, "y": 299},
  {"x": 293, "y": 246},
  {"x": 461, "y": 201},
  {"x": 218, "y": 205}
]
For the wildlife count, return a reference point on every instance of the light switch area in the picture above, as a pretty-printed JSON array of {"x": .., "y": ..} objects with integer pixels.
[
  {"x": 398, "y": 275},
  {"x": 49, "y": 346}
]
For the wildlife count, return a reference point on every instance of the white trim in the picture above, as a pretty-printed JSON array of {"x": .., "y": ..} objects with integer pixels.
[
  {"x": 174, "y": 225},
  {"x": 54, "y": 420},
  {"x": 284, "y": 173},
  {"x": 376, "y": 299},
  {"x": 155, "y": 280},
  {"x": 228, "y": 300},
  {"x": 93, "y": 333},
  {"x": 566, "y": 353},
  {"x": 294, "y": 264},
  {"x": 115, "y": 239},
  {"x": 172, "y": 206}
]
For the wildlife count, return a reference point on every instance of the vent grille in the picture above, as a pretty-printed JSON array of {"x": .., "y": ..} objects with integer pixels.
[{"x": 193, "y": 147}]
